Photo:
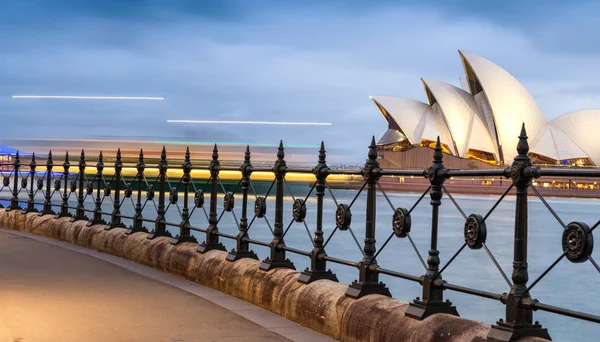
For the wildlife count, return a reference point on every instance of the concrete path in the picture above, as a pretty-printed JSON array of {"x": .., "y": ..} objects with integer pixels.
[{"x": 52, "y": 291}]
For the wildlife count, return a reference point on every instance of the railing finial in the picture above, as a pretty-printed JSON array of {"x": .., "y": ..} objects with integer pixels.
[
  {"x": 247, "y": 154},
  {"x": 523, "y": 145}
]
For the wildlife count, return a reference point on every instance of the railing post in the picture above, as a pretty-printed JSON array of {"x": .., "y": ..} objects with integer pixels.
[
  {"x": 115, "y": 217},
  {"x": 242, "y": 246},
  {"x": 97, "y": 214},
  {"x": 277, "y": 257},
  {"x": 64, "y": 206},
  {"x": 318, "y": 265},
  {"x": 47, "y": 208},
  {"x": 31, "y": 201},
  {"x": 368, "y": 281},
  {"x": 138, "y": 224},
  {"x": 212, "y": 239},
  {"x": 433, "y": 292},
  {"x": 184, "y": 226},
  {"x": 160, "y": 227},
  {"x": 14, "y": 201},
  {"x": 519, "y": 317},
  {"x": 80, "y": 209}
]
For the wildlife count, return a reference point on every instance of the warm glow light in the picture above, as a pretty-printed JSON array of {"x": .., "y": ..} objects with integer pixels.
[
  {"x": 253, "y": 122},
  {"x": 86, "y": 97}
]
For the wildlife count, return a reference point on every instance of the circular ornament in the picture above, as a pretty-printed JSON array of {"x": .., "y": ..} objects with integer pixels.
[
  {"x": 401, "y": 222},
  {"x": 577, "y": 242}
]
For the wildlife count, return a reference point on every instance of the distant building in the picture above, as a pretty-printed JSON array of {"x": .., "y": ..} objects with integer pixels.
[{"x": 478, "y": 125}]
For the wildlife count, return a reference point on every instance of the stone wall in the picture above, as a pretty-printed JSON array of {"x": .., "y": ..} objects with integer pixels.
[{"x": 321, "y": 305}]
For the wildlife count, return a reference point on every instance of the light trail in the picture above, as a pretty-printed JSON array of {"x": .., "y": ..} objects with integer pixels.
[
  {"x": 87, "y": 97},
  {"x": 253, "y": 122}
]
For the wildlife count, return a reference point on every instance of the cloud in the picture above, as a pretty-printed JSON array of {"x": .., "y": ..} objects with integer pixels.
[{"x": 274, "y": 63}]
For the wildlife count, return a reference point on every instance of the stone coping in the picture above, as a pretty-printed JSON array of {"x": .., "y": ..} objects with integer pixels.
[{"x": 321, "y": 305}]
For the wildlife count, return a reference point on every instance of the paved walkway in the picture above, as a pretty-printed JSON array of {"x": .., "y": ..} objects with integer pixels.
[{"x": 50, "y": 291}]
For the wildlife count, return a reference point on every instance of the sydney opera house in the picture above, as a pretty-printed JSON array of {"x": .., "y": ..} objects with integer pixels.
[{"x": 478, "y": 125}]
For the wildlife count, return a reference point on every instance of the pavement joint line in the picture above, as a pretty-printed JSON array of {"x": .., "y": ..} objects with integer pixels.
[{"x": 264, "y": 318}]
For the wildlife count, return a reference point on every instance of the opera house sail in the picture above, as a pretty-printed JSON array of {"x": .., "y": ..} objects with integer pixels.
[{"x": 479, "y": 124}]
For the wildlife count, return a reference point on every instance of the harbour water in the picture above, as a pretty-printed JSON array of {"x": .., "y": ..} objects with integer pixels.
[{"x": 568, "y": 285}]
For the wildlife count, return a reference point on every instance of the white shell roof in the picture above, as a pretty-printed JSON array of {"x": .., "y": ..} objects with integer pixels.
[
  {"x": 466, "y": 120},
  {"x": 415, "y": 118},
  {"x": 582, "y": 128},
  {"x": 461, "y": 114},
  {"x": 511, "y": 104}
]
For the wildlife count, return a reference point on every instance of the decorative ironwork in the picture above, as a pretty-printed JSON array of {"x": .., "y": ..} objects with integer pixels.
[
  {"x": 260, "y": 207},
  {"x": 228, "y": 202},
  {"x": 368, "y": 280},
  {"x": 343, "y": 217},
  {"x": 128, "y": 190},
  {"x": 475, "y": 231},
  {"x": 199, "y": 199},
  {"x": 160, "y": 224},
  {"x": 577, "y": 237},
  {"x": 173, "y": 196},
  {"x": 577, "y": 242},
  {"x": 212, "y": 232},
  {"x": 299, "y": 210},
  {"x": 277, "y": 257},
  {"x": 433, "y": 295},
  {"x": 401, "y": 222}
]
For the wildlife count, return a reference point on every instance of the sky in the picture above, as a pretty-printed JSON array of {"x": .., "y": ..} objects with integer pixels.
[{"x": 274, "y": 61}]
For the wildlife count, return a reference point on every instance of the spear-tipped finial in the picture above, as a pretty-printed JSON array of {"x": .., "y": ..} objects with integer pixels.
[
  {"x": 141, "y": 156},
  {"x": 67, "y": 156},
  {"x": 187, "y": 154},
  {"x": 118, "y": 153},
  {"x": 247, "y": 154},
  {"x": 82, "y": 155},
  {"x": 523, "y": 145},
  {"x": 322, "y": 154},
  {"x": 437, "y": 154},
  {"x": 280, "y": 151},
  {"x": 33, "y": 157},
  {"x": 100, "y": 157},
  {"x": 215, "y": 154},
  {"x": 372, "y": 149},
  {"x": 163, "y": 154},
  {"x": 32, "y": 163}
]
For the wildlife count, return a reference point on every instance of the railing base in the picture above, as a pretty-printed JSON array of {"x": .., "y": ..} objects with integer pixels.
[
  {"x": 46, "y": 212},
  {"x": 26, "y": 211},
  {"x": 207, "y": 247},
  {"x": 111, "y": 226},
  {"x": 420, "y": 310},
  {"x": 307, "y": 276},
  {"x": 132, "y": 230},
  {"x": 153, "y": 234},
  {"x": 269, "y": 264},
  {"x": 180, "y": 239},
  {"x": 79, "y": 218},
  {"x": 95, "y": 222},
  {"x": 503, "y": 331},
  {"x": 59, "y": 215},
  {"x": 237, "y": 255},
  {"x": 360, "y": 289}
]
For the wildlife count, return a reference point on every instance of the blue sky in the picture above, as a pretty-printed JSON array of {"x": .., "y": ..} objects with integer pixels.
[{"x": 274, "y": 61}]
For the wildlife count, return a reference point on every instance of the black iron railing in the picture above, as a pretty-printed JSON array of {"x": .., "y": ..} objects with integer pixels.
[{"x": 577, "y": 238}]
